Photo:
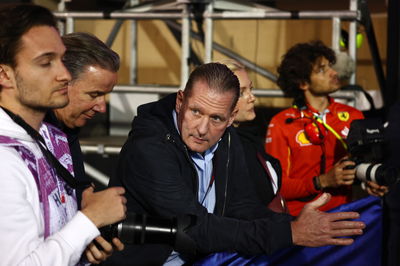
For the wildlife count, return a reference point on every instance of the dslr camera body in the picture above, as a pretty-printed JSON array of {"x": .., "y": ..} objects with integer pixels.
[{"x": 367, "y": 146}]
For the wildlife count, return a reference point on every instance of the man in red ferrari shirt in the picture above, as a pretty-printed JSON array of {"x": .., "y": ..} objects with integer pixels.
[{"x": 309, "y": 138}]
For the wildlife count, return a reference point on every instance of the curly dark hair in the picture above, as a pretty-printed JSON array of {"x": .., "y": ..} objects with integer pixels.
[{"x": 297, "y": 65}]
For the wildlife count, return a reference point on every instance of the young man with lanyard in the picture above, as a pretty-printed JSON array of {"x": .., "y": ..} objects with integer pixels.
[
  {"x": 309, "y": 138},
  {"x": 39, "y": 223}
]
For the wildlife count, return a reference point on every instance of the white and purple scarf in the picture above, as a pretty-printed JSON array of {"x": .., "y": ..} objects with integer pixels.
[{"x": 57, "y": 199}]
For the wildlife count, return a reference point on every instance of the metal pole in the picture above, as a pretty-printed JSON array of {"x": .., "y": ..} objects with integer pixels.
[
  {"x": 118, "y": 15},
  {"x": 133, "y": 45},
  {"x": 372, "y": 43},
  {"x": 283, "y": 15},
  {"x": 353, "y": 40},
  {"x": 114, "y": 32},
  {"x": 248, "y": 64},
  {"x": 345, "y": 94},
  {"x": 208, "y": 40},
  {"x": 133, "y": 57},
  {"x": 96, "y": 174},
  {"x": 69, "y": 28},
  {"x": 343, "y": 14},
  {"x": 185, "y": 53},
  {"x": 336, "y": 28}
]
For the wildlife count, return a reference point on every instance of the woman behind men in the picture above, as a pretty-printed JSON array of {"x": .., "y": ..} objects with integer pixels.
[{"x": 264, "y": 169}]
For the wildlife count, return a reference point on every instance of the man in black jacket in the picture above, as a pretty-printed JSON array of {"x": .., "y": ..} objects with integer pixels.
[
  {"x": 93, "y": 67},
  {"x": 182, "y": 157}
]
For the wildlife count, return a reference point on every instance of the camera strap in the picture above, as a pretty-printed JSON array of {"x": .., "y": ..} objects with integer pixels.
[{"x": 50, "y": 158}]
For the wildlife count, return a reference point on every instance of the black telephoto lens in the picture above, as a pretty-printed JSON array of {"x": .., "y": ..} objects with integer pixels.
[{"x": 139, "y": 229}]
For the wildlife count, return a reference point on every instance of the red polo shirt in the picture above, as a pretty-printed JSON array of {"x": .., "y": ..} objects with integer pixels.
[{"x": 301, "y": 160}]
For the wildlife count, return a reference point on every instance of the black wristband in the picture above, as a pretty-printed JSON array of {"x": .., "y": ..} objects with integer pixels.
[{"x": 317, "y": 183}]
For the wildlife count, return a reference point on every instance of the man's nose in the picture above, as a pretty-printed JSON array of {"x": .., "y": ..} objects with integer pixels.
[
  {"x": 333, "y": 72},
  {"x": 100, "y": 106},
  {"x": 63, "y": 73},
  {"x": 203, "y": 126}
]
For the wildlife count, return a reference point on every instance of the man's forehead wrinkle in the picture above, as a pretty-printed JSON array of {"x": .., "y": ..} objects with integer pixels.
[{"x": 215, "y": 101}]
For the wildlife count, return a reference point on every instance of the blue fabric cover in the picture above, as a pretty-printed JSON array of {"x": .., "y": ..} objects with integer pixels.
[{"x": 366, "y": 249}]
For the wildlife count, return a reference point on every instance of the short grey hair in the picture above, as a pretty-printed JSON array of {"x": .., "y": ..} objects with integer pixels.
[{"x": 84, "y": 50}]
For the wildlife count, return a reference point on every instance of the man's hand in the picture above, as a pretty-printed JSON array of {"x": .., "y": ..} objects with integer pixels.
[
  {"x": 339, "y": 175},
  {"x": 374, "y": 189},
  {"x": 95, "y": 255},
  {"x": 314, "y": 228},
  {"x": 104, "y": 207}
]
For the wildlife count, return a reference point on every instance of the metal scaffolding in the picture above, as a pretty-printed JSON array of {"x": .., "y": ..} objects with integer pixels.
[{"x": 169, "y": 11}]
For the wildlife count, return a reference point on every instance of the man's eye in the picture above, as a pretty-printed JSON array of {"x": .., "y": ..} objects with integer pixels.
[
  {"x": 216, "y": 118},
  {"x": 94, "y": 94},
  {"x": 195, "y": 112},
  {"x": 45, "y": 64}
]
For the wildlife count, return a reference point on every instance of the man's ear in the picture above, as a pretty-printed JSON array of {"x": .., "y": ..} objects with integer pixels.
[
  {"x": 179, "y": 101},
  {"x": 6, "y": 74},
  {"x": 233, "y": 116},
  {"x": 304, "y": 86}
]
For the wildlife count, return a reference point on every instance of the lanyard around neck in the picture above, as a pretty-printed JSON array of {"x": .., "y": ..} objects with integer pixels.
[
  {"x": 50, "y": 158},
  {"x": 210, "y": 184}
]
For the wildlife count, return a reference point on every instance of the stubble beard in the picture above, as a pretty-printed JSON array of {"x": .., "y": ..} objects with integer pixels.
[{"x": 35, "y": 104}]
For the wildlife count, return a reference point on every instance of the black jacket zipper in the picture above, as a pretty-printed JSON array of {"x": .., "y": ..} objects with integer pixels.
[{"x": 227, "y": 174}]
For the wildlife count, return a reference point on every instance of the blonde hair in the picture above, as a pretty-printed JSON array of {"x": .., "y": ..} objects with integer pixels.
[{"x": 233, "y": 65}]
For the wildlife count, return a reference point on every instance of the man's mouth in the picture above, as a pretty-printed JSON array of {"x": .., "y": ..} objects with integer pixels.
[
  {"x": 62, "y": 90},
  {"x": 198, "y": 140},
  {"x": 87, "y": 116}
]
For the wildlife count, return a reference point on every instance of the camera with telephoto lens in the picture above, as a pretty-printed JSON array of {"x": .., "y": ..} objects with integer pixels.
[
  {"x": 139, "y": 229},
  {"x": 366, "y": 143}
]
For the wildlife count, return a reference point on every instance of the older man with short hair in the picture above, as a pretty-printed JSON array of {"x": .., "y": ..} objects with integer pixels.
[{"x": 182, "y": 157}]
